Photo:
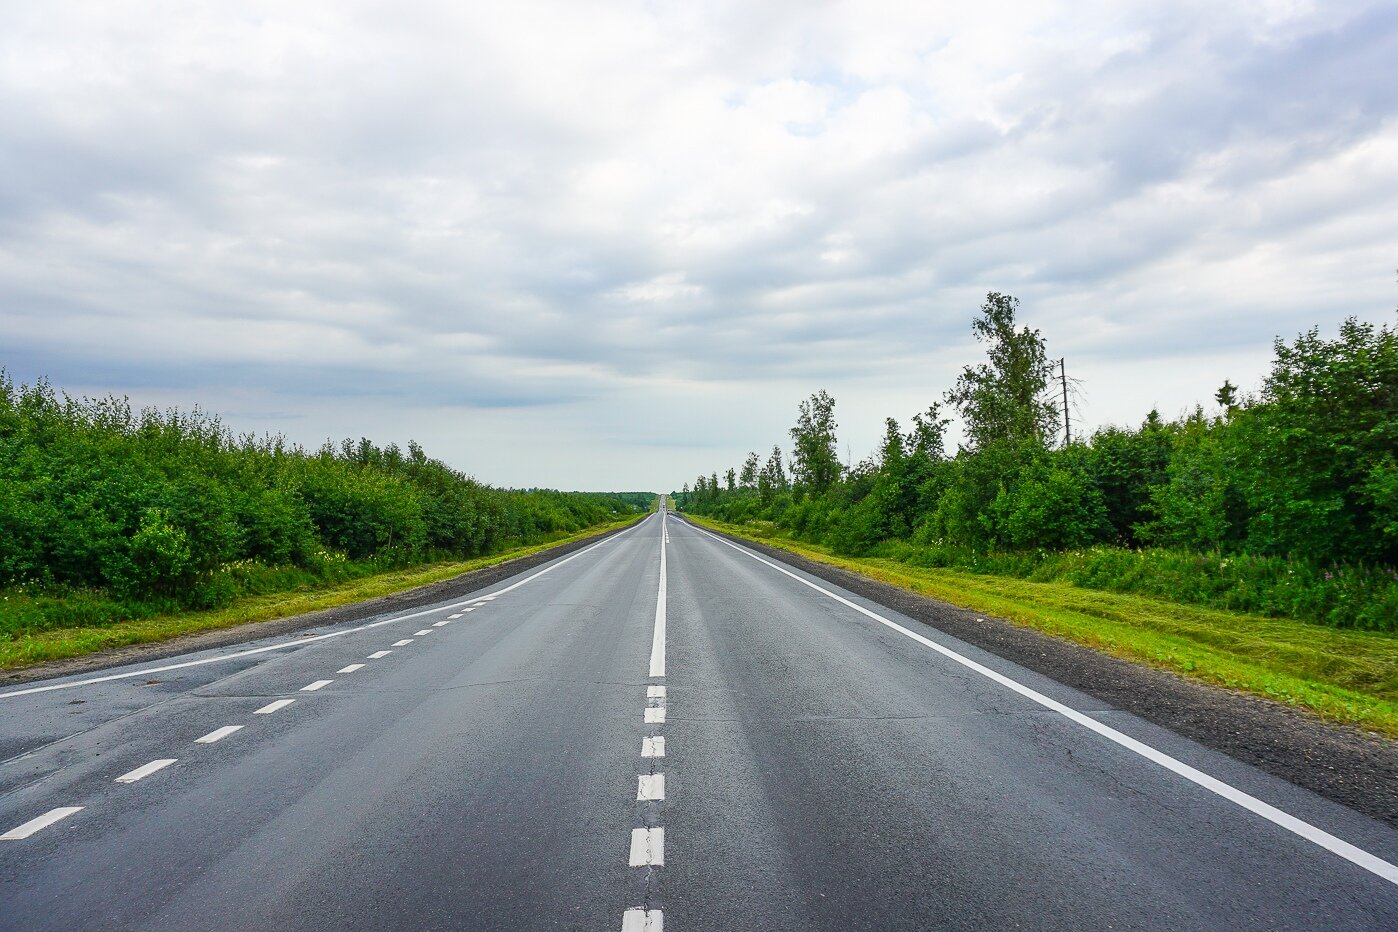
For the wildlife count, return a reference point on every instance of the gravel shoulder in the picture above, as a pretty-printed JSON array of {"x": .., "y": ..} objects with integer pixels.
[{"x": 1346, "y": 765}]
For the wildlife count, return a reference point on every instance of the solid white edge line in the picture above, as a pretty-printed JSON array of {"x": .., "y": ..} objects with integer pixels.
[
  {"x": 218, "y": 734},
  {"x": 1355, "y": 855},
  {"x": 351, "y": 668},
  {"x": 657, "y": 644},
  {"x": 271, "y": 707},
  {"x": 647, "y": 847},
  {"x": 318, "y": 684},
  {"x": 653, "y": 746},
  {"x": 145, "y": 770},
  {"x": 310, "y": 640},
  {"x": 650, "y": 786},
  {"x": 21, "y": 832},
  {"x": 642, "y": 920}
]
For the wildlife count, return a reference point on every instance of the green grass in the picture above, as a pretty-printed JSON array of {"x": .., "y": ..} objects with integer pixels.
[
  {"x": 1341, "y": 675},
  {"x": 27, "y": 649}
]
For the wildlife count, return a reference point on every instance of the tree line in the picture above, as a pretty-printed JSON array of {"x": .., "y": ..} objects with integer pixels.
[
  {"x": 146, "y": 510},
  {"x": 1284, "y": 501}
]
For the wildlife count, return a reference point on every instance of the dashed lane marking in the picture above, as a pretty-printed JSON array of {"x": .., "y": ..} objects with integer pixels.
[
  {"x": 441, "y": 624},
  {"x": 271, "y": 707},
  {"x": 318, "y": 684},
  {"x": 452, "y": 617},
  {"x": 145, "y": 770},
  {"x": 379, "y": 654},
  {"x": 301, "y": 642},
  {"x": 218, "y": 734},
  {"x": 642, "y": 920},
  {"x": 655, "y": 692},
  {"x": 647, "y": 847},
  {"x": 21, "y": 832},
  {"x": 653, "y": 747},
  {"x": 650, "y": 786},
  {"x": 418, "y": 634},
  {"x": 403, "y": 643},
  {"x": 351, "y": 668},
  {"x": 655, "y": 716}
]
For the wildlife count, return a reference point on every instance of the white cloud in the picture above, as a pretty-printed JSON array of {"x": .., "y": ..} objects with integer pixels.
[{"x": 600, "y": 222}]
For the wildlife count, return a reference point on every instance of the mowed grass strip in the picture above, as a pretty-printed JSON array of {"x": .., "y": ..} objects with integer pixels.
[
  {"x": 63, "y": 643},
  {"x": 1342, "y": 676}
]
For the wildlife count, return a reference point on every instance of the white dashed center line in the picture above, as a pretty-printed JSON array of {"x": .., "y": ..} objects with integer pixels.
[
  {"x": 218, "y": 734},
  {"x": 642, "y": 920},
  {"x": 418, "y": 634},
  {"x": 318, "y": 684},
  {"x": 44, "y": 821},
  {"x": 271, "y": 707},
  {"x": 653, "y": 747},
  {"x": 379, "y": 654},
  {"x": 351, "y": 668},
  {"x": 452, "y": 617},
  {"x": 145, "y": 770},
  {"x": 655, "y": 692},
  {"x": 650, "y": 786},
  {"x": 655, "y": 716},
  {"x": 438, "y": 624},
  {"x": 647, "y": 847},
  {"x": 403, "y": 643}
]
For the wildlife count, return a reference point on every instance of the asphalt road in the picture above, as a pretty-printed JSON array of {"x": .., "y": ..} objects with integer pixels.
[{"x": 497, "y": 763}]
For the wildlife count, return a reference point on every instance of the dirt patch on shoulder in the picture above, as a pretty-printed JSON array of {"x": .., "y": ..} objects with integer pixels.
[
  {"x": 456, "y": 587},
  {"x": 1349, "y": 766}
]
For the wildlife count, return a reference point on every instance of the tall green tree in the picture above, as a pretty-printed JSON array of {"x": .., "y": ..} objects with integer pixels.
[{"x": 815, "y": 463}]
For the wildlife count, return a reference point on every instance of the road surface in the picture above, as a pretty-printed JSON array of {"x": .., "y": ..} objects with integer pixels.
[{"x": 662, "y": 728}]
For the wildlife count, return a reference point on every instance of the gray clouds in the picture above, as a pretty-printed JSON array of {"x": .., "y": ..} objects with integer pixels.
[{"x": 643, "y": 231}]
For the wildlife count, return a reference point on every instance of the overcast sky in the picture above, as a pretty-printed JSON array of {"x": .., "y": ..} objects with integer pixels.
[{"x": 611, "y": 246}]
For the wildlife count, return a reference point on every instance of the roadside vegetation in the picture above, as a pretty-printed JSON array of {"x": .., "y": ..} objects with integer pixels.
[
  {"x": 1264, "y": 507},
  {"x": 110, "y": 516}
]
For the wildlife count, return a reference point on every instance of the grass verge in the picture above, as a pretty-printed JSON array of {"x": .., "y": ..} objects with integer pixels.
[
  {"x": 63, "y": 643},
  {"x": 1342, "y": 676}
]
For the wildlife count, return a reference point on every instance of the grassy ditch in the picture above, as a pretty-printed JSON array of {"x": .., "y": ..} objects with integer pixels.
[
  {"x": 1342, "y": 676},
  {"x": 24, "y": 648}
]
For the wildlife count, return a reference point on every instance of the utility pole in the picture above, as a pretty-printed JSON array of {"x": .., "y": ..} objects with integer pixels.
[{"x": 1063, "y": 380}]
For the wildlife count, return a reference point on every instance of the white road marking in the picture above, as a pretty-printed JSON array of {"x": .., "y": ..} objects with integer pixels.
[
  {"x": 418, "y": 634},
  {"x": 271, "y": 707},
  {"x": 440, "y": 624},
  {"x": 403, "y": 643},
  {"x": 20, "y": 832},
  {"x": 300, "y": 642},
  {"x": 487, "y": 598},
  {"x": 145, "y": 770},
  {"x": 655, "y": 716},
  {"x": 471, "y": 609},
  {"x": 379, "y": 654},
  {"x": 657, "y": 644},
  {"x": 650, "y": 786},
  {"x": 655, "y": 692},
  {"x": 218, "y": 734},
  {"x": 318, "y": 684},
  {"x": 1355, "y": 855},
  {"x": 647, "y": 847},
  {"x": 642, "y": 920},
  {"x": 351, "y": 668},
  {"x": 453, "y": 617},
  {"x": 653, "y": 747}
]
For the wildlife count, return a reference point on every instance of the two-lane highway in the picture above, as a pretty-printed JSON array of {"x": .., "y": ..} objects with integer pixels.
[{"x": 660, "y": 727}]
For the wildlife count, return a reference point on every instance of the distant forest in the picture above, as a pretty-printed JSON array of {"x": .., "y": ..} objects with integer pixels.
[
  {"x": 1282, "y": 502},
  {"x": 108, "y": 513}
]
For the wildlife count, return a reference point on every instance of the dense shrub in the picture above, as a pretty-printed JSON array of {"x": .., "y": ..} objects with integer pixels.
[{"x": 167, "y": 509}]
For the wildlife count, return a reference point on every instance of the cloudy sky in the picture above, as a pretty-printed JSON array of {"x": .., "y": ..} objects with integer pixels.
[{"x": 612, "y": 245}]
